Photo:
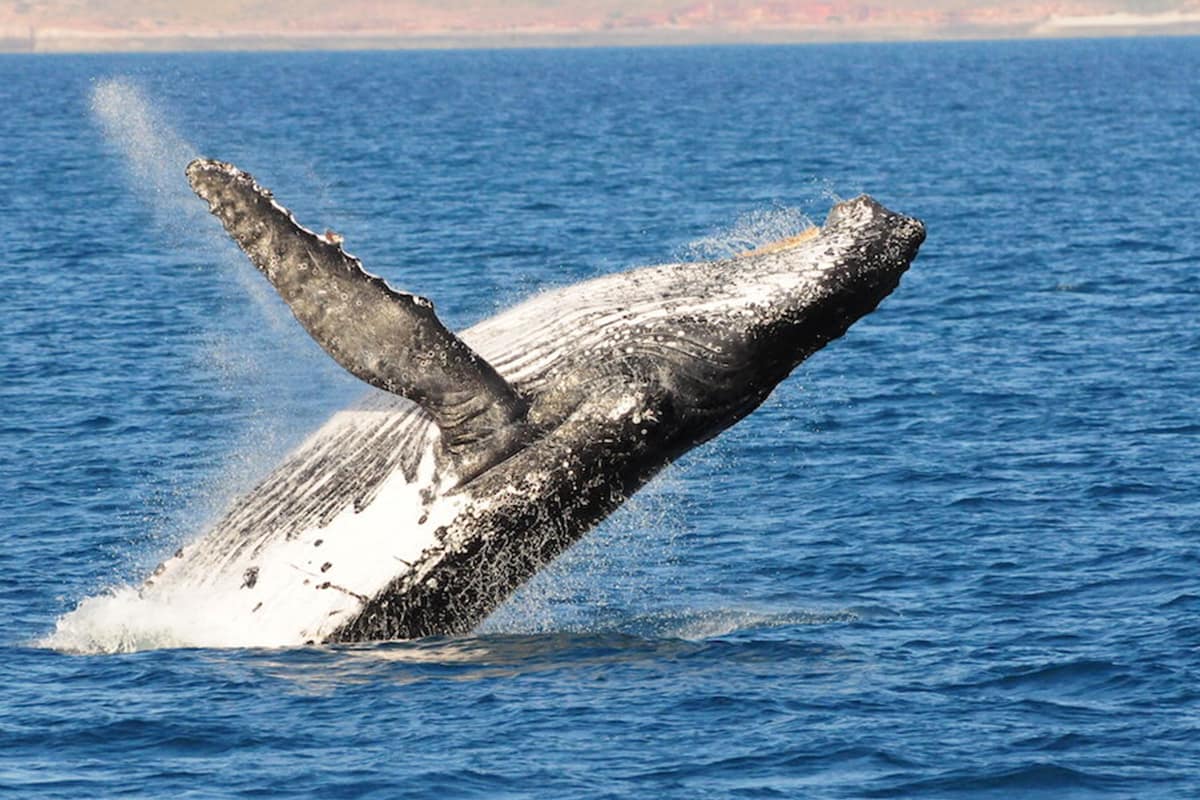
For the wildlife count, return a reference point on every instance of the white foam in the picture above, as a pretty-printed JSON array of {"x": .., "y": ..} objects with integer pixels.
[
  {"x": 718, "y": 623},
  {"x": 123, "y": 620}
]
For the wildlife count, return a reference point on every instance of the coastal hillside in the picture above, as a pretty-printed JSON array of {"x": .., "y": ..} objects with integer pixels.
[{"x": 65, "y": 25}]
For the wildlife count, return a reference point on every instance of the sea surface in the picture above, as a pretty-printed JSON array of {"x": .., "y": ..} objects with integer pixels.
[{"x": 956, "y": 554}]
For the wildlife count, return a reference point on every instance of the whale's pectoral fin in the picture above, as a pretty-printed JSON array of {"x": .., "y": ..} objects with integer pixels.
[{"x": 389, "y": 339}]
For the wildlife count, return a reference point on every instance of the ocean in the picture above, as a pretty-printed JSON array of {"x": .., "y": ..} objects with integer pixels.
[{"x": 956, "y": 554}]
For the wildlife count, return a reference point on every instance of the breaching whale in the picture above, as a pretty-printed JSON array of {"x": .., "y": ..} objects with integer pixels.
[{"x": 488, "y": 453}]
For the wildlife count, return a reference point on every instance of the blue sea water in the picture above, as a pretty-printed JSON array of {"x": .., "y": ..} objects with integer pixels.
[{"x": 955, "y": 555}]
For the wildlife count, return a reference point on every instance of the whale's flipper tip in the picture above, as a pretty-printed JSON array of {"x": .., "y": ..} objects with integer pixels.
[{"x": 201, "y": 171}]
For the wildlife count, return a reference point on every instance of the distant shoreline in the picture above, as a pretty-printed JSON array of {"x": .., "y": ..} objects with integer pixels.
[{"x": 65, "y": 41}]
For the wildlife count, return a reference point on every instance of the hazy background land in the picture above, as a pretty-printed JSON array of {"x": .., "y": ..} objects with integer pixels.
[{"x": 168, "y": 25}]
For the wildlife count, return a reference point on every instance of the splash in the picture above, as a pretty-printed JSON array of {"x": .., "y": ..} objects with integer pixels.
[
  {"x": 611, "y": 570},
  {"x": 259, "y": 364},
  {"x": 719, "y": 623},
  {"x": 154, "y": 154},
  {"x": 749, "y": 232},
  {"x": 755, "y": 229},
  {"x": 122, "y": 620},
  {"x": 287, "y": 590}
]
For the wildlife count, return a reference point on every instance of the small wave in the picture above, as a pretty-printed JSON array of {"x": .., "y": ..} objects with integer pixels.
[
  {"x": 1185, "y": 600},
  {"x": 695, "y": 626},
  {"x": 123, "y": 620},
  {"x": 1042, "y": 778},
  {"x": 1167, "y": 430},
  {"x": 1061, "y": 680}
]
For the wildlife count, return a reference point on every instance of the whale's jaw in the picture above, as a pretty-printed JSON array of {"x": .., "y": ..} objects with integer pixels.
[{"x": 868, "y": 248}]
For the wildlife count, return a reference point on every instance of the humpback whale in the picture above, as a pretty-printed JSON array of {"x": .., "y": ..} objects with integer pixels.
[{"x": 487, "y": 453}]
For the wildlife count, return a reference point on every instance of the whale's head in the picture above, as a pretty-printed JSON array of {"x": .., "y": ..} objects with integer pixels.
[
  {"x": 807, "y": 291},
  {"x": 750, "y": 320}
]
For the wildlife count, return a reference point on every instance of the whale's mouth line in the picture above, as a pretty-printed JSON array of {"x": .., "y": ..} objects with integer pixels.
[{"x": 786, "y": 243}]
